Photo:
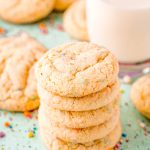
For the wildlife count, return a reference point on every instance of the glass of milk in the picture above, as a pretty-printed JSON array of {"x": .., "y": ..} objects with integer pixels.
[{"x": 123, "y": 26}]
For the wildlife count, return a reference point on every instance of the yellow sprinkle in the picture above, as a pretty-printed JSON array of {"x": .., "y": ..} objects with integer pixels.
[{"x": 30, "y": 134}]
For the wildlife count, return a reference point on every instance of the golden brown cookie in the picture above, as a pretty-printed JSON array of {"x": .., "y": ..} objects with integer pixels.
[
  {"x": 18, "y": 89},
  {"x": 77, "y": 69},
  {"x": 25, "y": 11},
  {"x": 105, "y": 143},
  {"x": 79, "y": 135},
  {"x": 89, "y": 102},
  {"x": 61, "y": 5},
  {"x": 83, "y": 119},
  {"x": 140, "y": 95},
  {"x": 74, "y": 21}
]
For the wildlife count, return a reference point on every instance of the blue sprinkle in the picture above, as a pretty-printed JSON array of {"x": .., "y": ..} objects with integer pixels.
[{"x": 124, "y": 135}]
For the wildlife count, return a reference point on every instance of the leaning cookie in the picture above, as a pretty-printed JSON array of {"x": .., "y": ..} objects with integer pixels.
[
  {"x": 79, "y": 135},
  {"x": 86, "y": 103},
  {"x": 106, "y": 143},
  {"x": 61, "y": 5},
  {"x": 81, "y": 68},
  {"x": 18, "y": 90},
  {"x": 25, "y": 11},
  {"x": 83, "y": 119},
  {"x": 74, "y": 21},
  {"x": 140, "y": 95}
]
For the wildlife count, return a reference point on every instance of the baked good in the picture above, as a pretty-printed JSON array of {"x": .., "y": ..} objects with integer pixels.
[
  {"x": 18, "y": 56},
  {"x": 74, "y": 21},
  {"x": 82, "y": 119},
  {"x": 25, "y": 11},
  {"x": 140, "y": 95},
  {"x": 106, "y": 143},
  {"x": 81, "y": 68},
  {"x": 61, "y": 5},
  {"x": 79, "y": 135}
]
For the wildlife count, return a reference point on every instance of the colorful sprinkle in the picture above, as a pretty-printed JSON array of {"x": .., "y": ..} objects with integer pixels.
[
  {"x": 2, "y": 134},
  {"x": 28, "y": 114},
  {"x": 124, "y": 135},
  {"x": 30, "y": 134},
  {"x": 60, "y": 27},
  {"x": 8, "y": 125},
  {"x": 2, "y": 30},
  {"x": 43, "y": 28}
]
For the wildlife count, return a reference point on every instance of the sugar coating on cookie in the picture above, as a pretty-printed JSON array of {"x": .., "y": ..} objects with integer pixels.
[
  {"x": 83, "y": 119},
  {"x": 79, "y": 135},
  {"x": 107, "y": 142},
  {"x": 74, "y": 20},
  {"x": 140, "y": 95},
  {"x": 86, "y": 103},
  {"x": 77, "y": 69},
  {"x": 63, "y": 4},
  {"x": 18, "y": 89},
  {"x": 25, "y": 11}
]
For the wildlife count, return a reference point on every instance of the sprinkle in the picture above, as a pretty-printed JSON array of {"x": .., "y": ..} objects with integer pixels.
[
  {"x": 142, "y": 125},
  {"x": 124, "y": 135},
  {"x": 127, "y": 79},
  {"x": 116, "y": 147},
  {"x": 122, "y": 91},
  {"x": 60, "y": 27},
  {"x": 30, "y": 134},
  {"x": 43, "y": 28},
  {"x": 2, "y": 134},
  {"x": 27, "y": 114},
  {"x": 146, "y": 70},
  {"x": 127, "y": 140},
  {"x": 2, "y": 30},
  {"x": 7, "y": 124}
]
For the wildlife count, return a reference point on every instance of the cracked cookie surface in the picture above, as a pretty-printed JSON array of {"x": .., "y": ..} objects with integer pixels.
[
  {"x": 77, "y": 69},
  {"x": 18, "y": 88}
]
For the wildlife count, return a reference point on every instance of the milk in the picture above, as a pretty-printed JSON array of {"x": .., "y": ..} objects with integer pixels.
[{"x": 123, "y": 26}]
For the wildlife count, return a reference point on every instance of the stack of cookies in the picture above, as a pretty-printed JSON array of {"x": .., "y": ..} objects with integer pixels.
[{"x": 79, "y": 91}]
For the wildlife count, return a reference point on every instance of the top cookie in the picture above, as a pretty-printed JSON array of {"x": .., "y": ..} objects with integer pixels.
[
  {"x": 77, "y": 69},
  {"x": 140, "y": 95},
  {"x": 18, "y": 90},
  {"x": 63, "y": 4},
  {"x": 25, "y": 11}
]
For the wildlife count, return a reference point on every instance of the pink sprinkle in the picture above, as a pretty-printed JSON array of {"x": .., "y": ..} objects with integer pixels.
[
  {"x": 60, "y": 27},
  {"x": 2, "y": 134}
]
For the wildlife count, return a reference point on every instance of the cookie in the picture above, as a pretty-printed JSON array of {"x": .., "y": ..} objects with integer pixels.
[
  {"x": 140, "y": 95},
  {"x": 83, "y": 119},
  {"x": 77, "y": 69},
  {"x": 90, "y": 102},
  {"x": 25, "y": 11},
  {"x": 79, "y": 135},
  {"x": 74, "y": 20},
  {"x": 18, "y": 89},
  {"x": 105, "y": 143},
  {"x": 62, "y": 4}
]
